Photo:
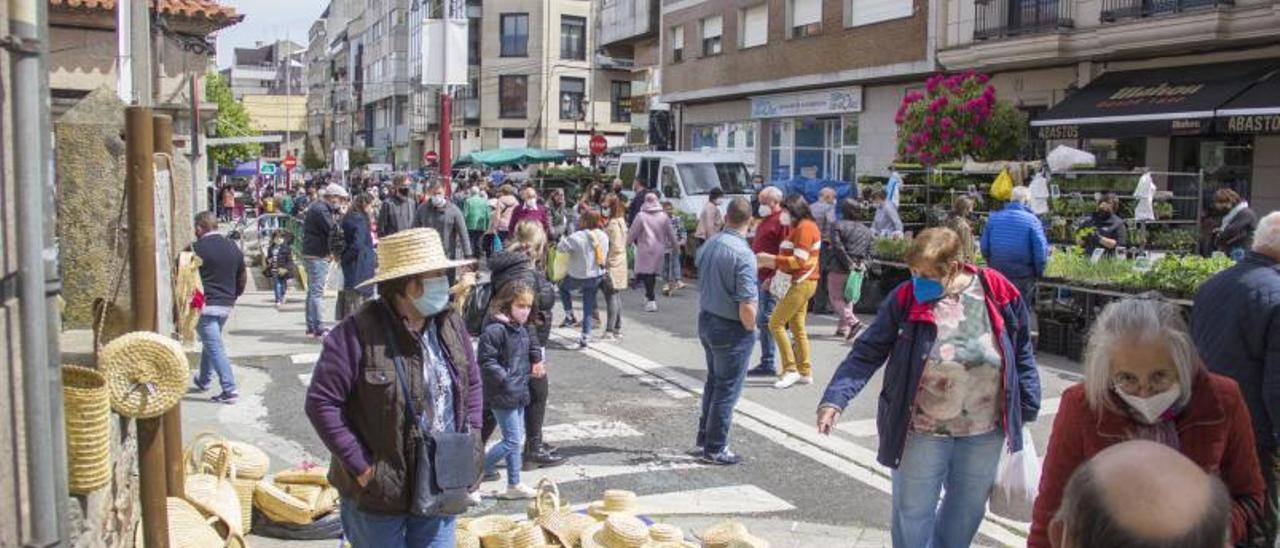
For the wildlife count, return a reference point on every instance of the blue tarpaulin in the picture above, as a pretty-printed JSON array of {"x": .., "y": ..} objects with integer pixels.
[
  {"x": 242, "y": 169},
  {"x": 811, "y": 187}
]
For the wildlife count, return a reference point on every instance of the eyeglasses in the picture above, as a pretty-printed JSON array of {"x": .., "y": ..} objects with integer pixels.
[{"x": 1158, "y": 382}]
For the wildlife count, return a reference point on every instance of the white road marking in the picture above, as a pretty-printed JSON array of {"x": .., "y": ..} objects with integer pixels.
[
  {"x": 303, "y": 359},
  {"x": 572, "y": 472},
  {"x": 588, "y": 430},
  {"x": 733, "y": 500},
  {"x": 305, "y": 379},
  {"x": 1049, "y": 407},
  {"x": 841, "y": 455}
]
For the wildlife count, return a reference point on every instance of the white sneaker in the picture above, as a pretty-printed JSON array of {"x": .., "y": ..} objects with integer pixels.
[
  {"x": 805, "y": 380},
  {"x": 518, "y": 492},
  {"x": 608, "y": 337},
  {"x": 475, "y": 498},
  {"x": 787, "y": 380},
  {"x": 651, "y": 306}
]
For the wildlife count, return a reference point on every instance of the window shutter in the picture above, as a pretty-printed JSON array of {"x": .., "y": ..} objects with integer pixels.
[
  {"x": 866, "y": 12},
  {"x": 755, "y": 26},
  {"x": 711, "y": 27},
  {"x": 806, "y": 12},
  {"x": 677, "y": 37}
]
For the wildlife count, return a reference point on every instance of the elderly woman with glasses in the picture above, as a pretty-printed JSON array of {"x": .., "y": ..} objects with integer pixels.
[{"x": 1144, "y": 380}]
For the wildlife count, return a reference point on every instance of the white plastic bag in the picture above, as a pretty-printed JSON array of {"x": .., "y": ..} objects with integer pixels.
[
  {"x": 1017, "y": 482},
  {"x": 1065, "y": 158},
  {"x": 1039, "y": 194}
]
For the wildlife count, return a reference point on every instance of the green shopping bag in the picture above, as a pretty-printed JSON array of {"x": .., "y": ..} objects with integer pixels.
[
  {"x": 853, "y": 286},
  {"x": 560, "y": 266}
]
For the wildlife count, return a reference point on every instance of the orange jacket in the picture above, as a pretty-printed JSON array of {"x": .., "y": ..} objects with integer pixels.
[{"x": 798, "y": 254}]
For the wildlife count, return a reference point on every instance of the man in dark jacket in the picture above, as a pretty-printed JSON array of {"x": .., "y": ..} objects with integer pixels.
[
  {"x": 1014, "y": 244},
  {"x": 318, "y": 228},
  {"x": 1235, "y": 323},
  {"x": 223, "y": 274},
  {"x": 1110, "y": 231},
  {"x": 397, "y": 211},
  {"x": 633, "y": 208},
  {"x": 440, "y": 214}
]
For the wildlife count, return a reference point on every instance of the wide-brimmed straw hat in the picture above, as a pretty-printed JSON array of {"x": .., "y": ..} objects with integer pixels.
[
  {"x": 616, "y": 501},
  {"x": 665, "y": 535},
  {"x": 147, "y": 373},
  {"x": 618, "y": 531},
  {"x": 411, "y": 252},
  {"x": 731, "y": 534},
  {"x": 566, "y": 527}
]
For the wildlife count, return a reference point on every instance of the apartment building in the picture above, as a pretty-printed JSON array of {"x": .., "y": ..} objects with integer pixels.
[
  {"x": 267, "y": 69},
  {"x": 382, "y": 83},
  {"x": 1172, "y": 85},
  {"x": 802, "y": 87},
  {"x": 628, "y": 31},
  {"x": 424, "y": 116}
]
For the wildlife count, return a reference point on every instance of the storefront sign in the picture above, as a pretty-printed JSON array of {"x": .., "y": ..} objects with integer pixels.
[
  {"x": 1186, "y": 127},
  {"x": 811, "y": 103},
  {"x": 1259, "y": 123},
  {"x": 1053, "y": 133}
]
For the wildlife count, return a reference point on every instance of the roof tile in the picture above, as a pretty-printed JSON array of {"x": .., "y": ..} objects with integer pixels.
[{"x": 185, "y": 8}]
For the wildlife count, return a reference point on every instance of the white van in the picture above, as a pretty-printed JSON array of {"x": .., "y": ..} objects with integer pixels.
[{"x": 686, "y": 178}]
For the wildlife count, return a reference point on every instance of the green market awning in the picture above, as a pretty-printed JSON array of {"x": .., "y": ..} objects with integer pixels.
[
  {"x": 1257, "y": 110},
  {"x": 511, "y": 156},
  {"x": 1154, "y": 102}
]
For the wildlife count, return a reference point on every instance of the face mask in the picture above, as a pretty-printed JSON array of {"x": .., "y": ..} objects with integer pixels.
[
  {"x": 278, "y": 241},
  {"x": 926, "y": 290},
  {"x": 1151, "y": 408},
  {"x": 764, "y": 210},
  {"x": 435, "y": 296},
  {"x": 531, "y": 203},
  {"x": 520, "y": 314},
  {"x": 785, "y": 218},
  {"x": 437, "y": 201}
]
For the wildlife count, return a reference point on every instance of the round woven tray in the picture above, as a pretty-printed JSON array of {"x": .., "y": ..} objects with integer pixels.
[
  {"x": 146, "y": 373},
  {"x": 87, "y": 414}
]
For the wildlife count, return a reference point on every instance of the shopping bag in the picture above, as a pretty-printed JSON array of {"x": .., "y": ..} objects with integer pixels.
[
  {"x": 1017, "y": 481},
  {"x": 560, "y": 267},
  {"x": 549, "y": 262},
  {"x": 497, "y": 244},
  {"x": 853, "y": 286},
  {"x": 1002, "y": 188}
]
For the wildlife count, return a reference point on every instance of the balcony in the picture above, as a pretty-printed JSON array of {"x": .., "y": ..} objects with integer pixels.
[
  {"x": 1116, "y": 10},
  {"x": 994, "y": 19}
]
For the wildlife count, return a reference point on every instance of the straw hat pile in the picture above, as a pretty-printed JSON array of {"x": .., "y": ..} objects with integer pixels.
[
  {"x": 616, "y": 501},
  {"x": 731, "y": 534},
  {"x": 499, "y": 532}
]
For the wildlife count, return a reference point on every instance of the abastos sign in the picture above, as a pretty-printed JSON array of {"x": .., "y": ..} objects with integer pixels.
[{"x": 808, "y": 103}]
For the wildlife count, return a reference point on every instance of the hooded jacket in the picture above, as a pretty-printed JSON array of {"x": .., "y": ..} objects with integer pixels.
[
  {"x": 652, "y": 235},
  {"x": 511, "y": 266},
  {"x": 504, "y": 351}
]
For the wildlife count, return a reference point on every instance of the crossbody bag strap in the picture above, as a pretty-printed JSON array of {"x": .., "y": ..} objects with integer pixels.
[{"x": 402, "y": 379}]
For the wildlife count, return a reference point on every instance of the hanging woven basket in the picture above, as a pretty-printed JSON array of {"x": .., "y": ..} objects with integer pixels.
[
  {"x": 87, "y": 416},
  {"x": 146, "y": 373}
]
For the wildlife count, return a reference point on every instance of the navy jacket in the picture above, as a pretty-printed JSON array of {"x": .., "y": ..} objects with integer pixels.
[
  {"x": 221, "y": 269},
  {"x": 1236, "y": 327},
  {"x": 904, "y": 332},
  {"x": 504, "y": 355},
  {"x": 1014, "y": 243},
  {"x": 316, "y": 224},
  {"x": 358, "y": 259}
]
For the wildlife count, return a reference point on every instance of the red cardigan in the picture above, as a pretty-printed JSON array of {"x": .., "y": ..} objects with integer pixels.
[{"x": 1214, "y": 431}]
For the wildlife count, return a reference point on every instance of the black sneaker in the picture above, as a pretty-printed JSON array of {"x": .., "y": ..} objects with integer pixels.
[
  {"x": 491, "y": 476},
  {"x": 723, "y": 458},
  {"x": 762, "y": 371},
  {"x": 696, "y": 452},
  {"x": 582, "y": 344},
  {"x": 541, "y": 459},
  {"x": 226, "y": 397},
  {"x": 569, "y": 321}
]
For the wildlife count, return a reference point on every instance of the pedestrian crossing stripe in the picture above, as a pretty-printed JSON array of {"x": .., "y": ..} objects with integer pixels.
[
  {"x": 571, "y": 472},
  {"x": 303, "y": 359},
  {"x": 588, "y": 430}
]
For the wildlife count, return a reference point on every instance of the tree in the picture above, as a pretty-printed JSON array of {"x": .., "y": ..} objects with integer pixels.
[
  {"x": 359, "y": 158},
  {"x": 311, "y": 160},
  {"x": 232, "y": 121}
]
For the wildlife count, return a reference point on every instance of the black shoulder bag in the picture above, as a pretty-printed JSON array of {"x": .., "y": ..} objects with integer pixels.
[{"x": 446, "y": 466}]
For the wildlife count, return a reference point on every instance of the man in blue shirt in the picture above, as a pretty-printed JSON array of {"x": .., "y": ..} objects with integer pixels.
[{"x": 726, "y": 327}]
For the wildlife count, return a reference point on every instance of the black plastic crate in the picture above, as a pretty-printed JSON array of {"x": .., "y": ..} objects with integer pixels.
[
  {"x": 1075, "y": 342},
  {"x": 1052, "y": 337}
]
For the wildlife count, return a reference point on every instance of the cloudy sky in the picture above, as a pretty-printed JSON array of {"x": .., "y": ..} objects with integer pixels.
[{"x": 267, "y": 20}]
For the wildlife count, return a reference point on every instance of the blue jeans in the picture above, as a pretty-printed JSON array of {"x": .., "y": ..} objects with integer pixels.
[
  {"x": 279, "y": 285},
  {"x": 728, "y": 348},
  {"x": 395, "y": 530},
  {"x": 589, "y": 287},
  {"x": 317, "y": 272},
  {"x": 213, "y": 357},
  {"x": 511, "y": 421},
  {"x": 767, "y": 347},
  {"x": 965, "y": 467}
]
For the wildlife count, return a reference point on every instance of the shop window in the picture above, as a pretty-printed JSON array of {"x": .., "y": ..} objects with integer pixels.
[
  {"x": 1126, "y": 153},
  {"x": 712, "y": 28},
  {"x": 515, "y": 34},
  {"x": 677, "y": 44},
  {"x": 573, "y": 37},
  {"x": 804, "y": 17},
  {"x": 754, "y": 22},
  {"x": 513, "y": 96}
]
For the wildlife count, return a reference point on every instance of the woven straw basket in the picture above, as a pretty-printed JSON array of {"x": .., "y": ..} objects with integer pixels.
[
  {"x": 87, "y": 415},
  {"x": 310, "y": 475},
  {"x": 279, "y": 506},
  {"x": 146, "y": 373},
  {"x": 244, "y": 493},
  {"x": 208, "y": 449},
  {"x": 188, "y": 528},
  {"x": 327, "y": 502},
  {"x": 249, "y": 461},
  {"x": 212, "y": 491}
]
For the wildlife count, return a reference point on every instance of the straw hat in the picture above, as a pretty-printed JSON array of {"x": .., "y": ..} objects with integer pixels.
[
  {"x": 665, "y": 535},
  {"x": 731, "y": 534},
  {"x": 566, "y": 527},
  {"x": 335, "y": 189},
  {"x": 410, "y": 252},
  {"x": 146, "y": 373},
  {"x": 491, "y": 524},
  {"x": 616, "y": 501},
  {"x": 617, "y": 531},
  {"x": 464, "y": 538}
]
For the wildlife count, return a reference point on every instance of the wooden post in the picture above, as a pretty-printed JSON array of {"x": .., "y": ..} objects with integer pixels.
[
  {"x": 141, "y": 192},
  {"x": 175, "y": 476}
]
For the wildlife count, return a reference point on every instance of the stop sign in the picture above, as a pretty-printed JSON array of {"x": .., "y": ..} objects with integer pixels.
[
  {"x": 431, "y": 157},
  {"x": 290, "y": 162},
  {"x": 598, "y": 144}
]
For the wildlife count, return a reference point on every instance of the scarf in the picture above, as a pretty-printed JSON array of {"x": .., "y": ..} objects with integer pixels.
[
  {"x": 1231, "y": 215},
  {"x": 1164, "y": 431}
]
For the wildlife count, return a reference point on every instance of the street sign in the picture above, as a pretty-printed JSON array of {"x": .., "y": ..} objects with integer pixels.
[
  {"x": 598, "y": 144},
  {"x": 431, "y": 157},
  {"x": 290, "y": 162},
  {"x": 266, "y": 168},
  {"x": 341, "y": 159}
]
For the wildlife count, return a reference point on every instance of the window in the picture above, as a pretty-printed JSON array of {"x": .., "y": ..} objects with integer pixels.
[
  {"x": 677, "y": 44},
  {"x": 473, "y": 41},
  {"x": 515, "y": 34},
  {"x": 805, "y": 17},
  {"x": 573, "y": 37},
  {"x": 620, "y": 101},
  {"x": 513, "y": 96},
  {"x": 670, "y": 188},
  {"x": 754, "y": 22},
  {"x": 822, "y": 148},
  {"x": 572, "y": 91},
  {"x": 711, "y": 31},
  {"x": 866, "y": 12},
  {"x": 700, "y": 178}
]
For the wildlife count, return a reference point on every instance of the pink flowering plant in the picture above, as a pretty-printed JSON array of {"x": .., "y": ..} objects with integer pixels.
[{"x": 949, "y": 120}]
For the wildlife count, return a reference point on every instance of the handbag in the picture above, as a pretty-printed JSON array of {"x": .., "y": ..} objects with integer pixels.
[
  {"x": 781, "y": 282},
  {"x": 446, "y": 464}
]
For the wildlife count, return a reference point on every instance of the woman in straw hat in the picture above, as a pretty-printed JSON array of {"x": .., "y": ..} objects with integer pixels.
[{"x": 355, "y": 401}]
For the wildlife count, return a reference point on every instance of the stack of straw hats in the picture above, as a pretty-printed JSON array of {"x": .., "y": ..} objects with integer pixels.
[{"x": 615, "y": 502}]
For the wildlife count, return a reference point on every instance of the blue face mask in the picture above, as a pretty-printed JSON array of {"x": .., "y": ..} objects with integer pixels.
[
  {"x": 926, "y": 289},
  {"x": 435, "y": 296}
]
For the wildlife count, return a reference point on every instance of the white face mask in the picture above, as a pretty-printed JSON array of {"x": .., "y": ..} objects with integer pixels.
[
  {"x": 1151, "y": 408},
  {"x": 531, "y": 203},
  {"x": 785, "y": 218},
  {"x": 764, "y": 210}
]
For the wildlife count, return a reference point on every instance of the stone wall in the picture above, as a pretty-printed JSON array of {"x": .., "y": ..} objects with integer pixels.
[{"x": 108, "y": 517}]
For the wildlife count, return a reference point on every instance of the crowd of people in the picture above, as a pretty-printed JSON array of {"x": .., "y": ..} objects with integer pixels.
[{"x": 955, "y": 343}]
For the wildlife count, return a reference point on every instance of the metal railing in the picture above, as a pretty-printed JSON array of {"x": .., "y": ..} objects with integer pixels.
[
  {"x": 1007, "y": 18},
  {"x": 1115, "y": 10}
]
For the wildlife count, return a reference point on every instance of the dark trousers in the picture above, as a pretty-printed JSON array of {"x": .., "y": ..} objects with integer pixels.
[
  {"x": 728, "y": 351},
  {"x": 534, "y": 414},
  {"x": 477, "y": 243},
  {"x": 1267, "y": 461},
  {"x": 650, "y": 282}
]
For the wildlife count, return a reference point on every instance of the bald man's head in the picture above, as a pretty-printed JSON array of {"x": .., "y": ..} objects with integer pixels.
[{"x": 1138, "y": 494}]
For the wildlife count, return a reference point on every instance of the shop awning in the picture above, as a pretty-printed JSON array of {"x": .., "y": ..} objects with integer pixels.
[
  {"x": 1155, "y": 102},
  {"x": 1257, "y": 110}
]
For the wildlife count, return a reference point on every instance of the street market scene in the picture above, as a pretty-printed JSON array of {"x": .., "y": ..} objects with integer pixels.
[{"x": 640, "y": 274}]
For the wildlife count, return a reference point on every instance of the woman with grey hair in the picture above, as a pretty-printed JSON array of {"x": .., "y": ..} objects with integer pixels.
[{"x": 1144, "y": 380}]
